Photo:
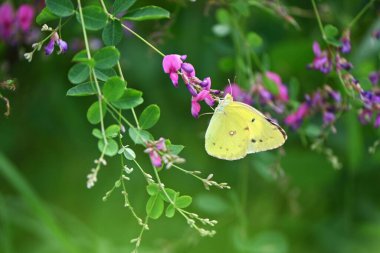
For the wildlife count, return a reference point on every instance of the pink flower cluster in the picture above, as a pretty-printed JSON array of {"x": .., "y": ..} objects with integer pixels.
[
  {"x": 13, "y": 23},
  {"x": 200, "y": 90},
  {"x": 159, "y": 154}
]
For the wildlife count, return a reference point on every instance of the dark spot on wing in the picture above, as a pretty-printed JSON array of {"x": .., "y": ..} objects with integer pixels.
[
  {"x": 277, "y": 127},
  {"x": 247, "y": 128},
  {"x": 253, "y": 120},
  {"x": 213, "y": 143},
  {"x": 260, "y": 140},
  {"x": 253, "y": 140},
  {"x": 220, "y": 147}
]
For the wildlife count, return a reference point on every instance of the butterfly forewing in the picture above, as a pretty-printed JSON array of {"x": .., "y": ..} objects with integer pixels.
[{"x": 227, "y": 136}]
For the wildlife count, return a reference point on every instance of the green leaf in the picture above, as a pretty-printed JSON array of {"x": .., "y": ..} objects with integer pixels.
[
  {"x": 106, "y": 58},
  {"x": 129, "y": 154},
  {"x": 147, "y": 13},
  {"x": 149, "y": 116},
  {"x": 171, "y": 193},
  {"x": 155, "y": 207},
  {"x": 270, "y": 85},
  {"x": 111, "y": 149},
  {"x": 79, "y": 73},
  {"x": 112, "y": 33},
  {"x": 139, "y": 136},
  {"x": 153, "y": 189},
  {"x": 223, "y": 16},
  {"x": 331, "y": 31},
  {"x": 93, "y": 113},
  {"x": 120, "y": 6},
  {"x": 183, "y": 201},
  {"x": 83, "y": 89},
  {"x": 170, "y": 211},
  {"x": 94, "y": 17},
  {"x": 254, "y": 40},
  {"x": 61, "y": 8},
  {"x": 112, "y": 131},
  {"x": 45, "y": 16},
  {"x": 114, "y": 88},
  {"x": 97, "y": 133},
  {"x": 104, "y": 74},
  {"x": 175, "y": 149},
  {"x": 130, "y": 99},
  {"x": 81, "y": 56}
]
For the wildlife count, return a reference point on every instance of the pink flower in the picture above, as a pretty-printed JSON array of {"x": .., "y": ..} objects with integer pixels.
[
  {"x": 196, "y": 107},
  {"x": 295, "y": 119},
  {"x": 55, "y": 40},
  {"x": 238, "y": 94},
  {"x": 188, "y": 69},
  {"x": 25, "y": 16},
  {"x": 155, "y": 159},
  {"x": 282, "y": 89},
  {"x": 6, "y": 21},
  {"x": 172, "y": 64}
]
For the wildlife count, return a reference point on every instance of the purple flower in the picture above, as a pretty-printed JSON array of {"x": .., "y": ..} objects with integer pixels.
[
  {"x": 160, "y": 144},
  {"x": 196, "y": 107},
  {"x": 321, "y": 61},
  {"x": 365, "y": 116},
  {"x": 55, "y": 40},
  {"x": 282, "y": 89},
  {"x": 377, "y": 120},
  {"x": 295, "y": 119},
  {"x": 172, "y": 64},
  {"x": 374, "y": 77},
  {"x": 188, "y": 70},
  {"x": 238, "y": 94},
  {"x": 206, "y": 83},
  {"x": 376, "y": 34},
  {"x": 62, "y": 46},
  {"x": 346, "y": 44},
  {"x": 328, "y": 117},
  {"x": 25, "y": 16},
  {"x": 6, "y": 21},
  {"x": 49, "y": 48},
  {"x": 342, "y": 63}
]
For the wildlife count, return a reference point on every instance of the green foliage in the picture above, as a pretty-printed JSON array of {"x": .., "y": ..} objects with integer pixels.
[
  {"x": 155, "y": 207},
  {"x": 149, "y": 116},
  {"x": 147, "y": 13},
  {"x": 93, "y": 113},
  {"x": 113, "y": 131},
  {"x": 79, "y": 73},
  {"x": 139, "y": 136},
  {"x": 106, "y": 58},
  {"x": 112, "y": 33},
  {"x": 331, "y": 32},
  {"x": 83, "y": 89},
  {"x": 130, "y": 99},
  {"x": 120, "y": 6},
  {"x": 114, "y": 88},
  {"x": 45, "y": 16},
  {"x": 110, "y": 149},
  {"x": 94, "y": 17},
  {"x": 61, "y": 8}
]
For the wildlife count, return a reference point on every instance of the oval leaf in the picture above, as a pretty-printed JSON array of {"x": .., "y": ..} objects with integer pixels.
[
  {"x": 79, "y": 73},
  {"x": 183, "y": 201},
  {"x": 121, "y": 6},
  {"x": 45, "y": 16},
  {"x": 155, "y": 207},
  {"x": 93, "y": 113},
  {"x": 171, "y": 193},
  {"x": 130, "y": 99},
  {"x": 170, "y": 211},
  {"x": 61, "y": 8},
  {"x": 112, "y": 33},
  {"x": 94, "y": 17},
  {"x": 104, "y": 74},
  {"x": 140, "y": 136},
  {"x": 153, "y": 189},
  {"x": 111, "y": 149},
  {"x": 106, "y": 58},
  {"x": 114, "y": 88},
  {"x": 83, "y": 89},
  {"x": 129, "y": 154},
  {"x": 149, "y": 116},
  {"x": 112, "y": 131},
  {"x": 147, "y": 13}
]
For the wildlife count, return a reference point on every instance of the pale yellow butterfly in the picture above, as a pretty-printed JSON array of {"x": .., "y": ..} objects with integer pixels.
[{"x": 237, "y": 129}]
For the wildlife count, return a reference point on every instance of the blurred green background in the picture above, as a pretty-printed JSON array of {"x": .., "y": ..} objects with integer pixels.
[{"x": 46, "y": 149}]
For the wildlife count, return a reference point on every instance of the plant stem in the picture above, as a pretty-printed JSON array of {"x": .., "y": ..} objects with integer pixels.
[
  {"x": 360, "y": 14},
  {"x": 319, "y": 20},
  {"x": 94, "y": 75}
]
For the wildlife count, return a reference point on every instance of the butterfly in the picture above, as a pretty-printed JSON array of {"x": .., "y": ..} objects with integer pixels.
[{"x": 237, "y": 129}]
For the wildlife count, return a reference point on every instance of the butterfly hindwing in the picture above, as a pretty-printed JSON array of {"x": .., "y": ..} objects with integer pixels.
[{"x": 265, "y": 134}]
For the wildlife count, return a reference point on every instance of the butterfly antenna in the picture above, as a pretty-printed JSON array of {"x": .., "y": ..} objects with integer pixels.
[
  {"x": 206, "y": 113},
  {"x": 230, "y": 87}
]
